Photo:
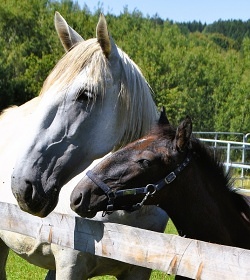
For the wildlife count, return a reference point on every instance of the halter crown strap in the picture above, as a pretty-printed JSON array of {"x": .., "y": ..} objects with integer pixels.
[{"x": 172, "y": 175}]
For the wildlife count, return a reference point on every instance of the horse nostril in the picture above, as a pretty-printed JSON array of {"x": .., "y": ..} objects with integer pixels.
[{"x": 29, "y": 191}]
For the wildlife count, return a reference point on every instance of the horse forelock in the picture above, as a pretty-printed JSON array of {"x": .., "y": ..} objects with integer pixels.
[{"x": 85, "y": 54}]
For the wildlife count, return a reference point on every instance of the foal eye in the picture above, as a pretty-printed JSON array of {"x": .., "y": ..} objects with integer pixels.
[
  {"x": 84, "y": 95},
  {"x": 144, "y": 163}
]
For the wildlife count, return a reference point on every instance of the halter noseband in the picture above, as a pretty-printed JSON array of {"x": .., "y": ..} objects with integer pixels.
[{"x": 150, "y": 189}]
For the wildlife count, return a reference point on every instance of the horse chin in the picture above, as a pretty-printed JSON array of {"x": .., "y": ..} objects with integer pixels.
[
  {"x": 41, "y": 211},
  {"x": 46, "y": 210}
]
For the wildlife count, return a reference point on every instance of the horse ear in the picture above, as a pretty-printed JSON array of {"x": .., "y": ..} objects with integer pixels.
[
  {"x": 68, "y": 36},
  {"x": 183, "y": 134},
  {"x": 105, "y": 40},
  {"x": 163, "y": 117}
]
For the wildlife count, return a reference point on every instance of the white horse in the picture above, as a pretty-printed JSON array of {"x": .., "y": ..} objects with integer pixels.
[{"x": 95, "y": 99}]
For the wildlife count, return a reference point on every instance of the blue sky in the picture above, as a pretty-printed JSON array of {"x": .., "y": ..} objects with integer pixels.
[{"x": 178, "y": 10}]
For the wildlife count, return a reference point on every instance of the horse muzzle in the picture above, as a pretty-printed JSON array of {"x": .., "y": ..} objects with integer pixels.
[{"x": 33, "y": 199}]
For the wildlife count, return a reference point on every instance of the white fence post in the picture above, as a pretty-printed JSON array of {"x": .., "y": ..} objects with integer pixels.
[{"x": 228, "y": 156}]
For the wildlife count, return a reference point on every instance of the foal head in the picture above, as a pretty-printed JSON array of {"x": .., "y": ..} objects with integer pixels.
[{"x": 140, "y": 164}]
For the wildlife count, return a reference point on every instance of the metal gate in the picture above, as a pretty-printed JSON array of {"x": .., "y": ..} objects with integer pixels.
[{"x": 235, "y": 152}]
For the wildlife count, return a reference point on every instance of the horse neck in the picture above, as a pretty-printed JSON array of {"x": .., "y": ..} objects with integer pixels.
[{"x": 201, "y": 207}]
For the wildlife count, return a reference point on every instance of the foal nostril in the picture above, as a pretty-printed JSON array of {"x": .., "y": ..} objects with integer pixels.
[
  {"x": 79, "y": 202},
  {"x": 76, "y": 202}
]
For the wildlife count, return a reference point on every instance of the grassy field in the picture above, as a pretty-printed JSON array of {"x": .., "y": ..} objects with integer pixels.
[
  {"x": 18, "y": 269},
  {"x": 242, "y": 182}
]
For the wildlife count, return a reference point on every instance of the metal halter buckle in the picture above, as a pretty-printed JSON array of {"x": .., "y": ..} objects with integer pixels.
[{"x": 170, "y": 178}]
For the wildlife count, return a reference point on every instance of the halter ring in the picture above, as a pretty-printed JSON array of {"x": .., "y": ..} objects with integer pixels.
[{"x": 151, "y": 189}]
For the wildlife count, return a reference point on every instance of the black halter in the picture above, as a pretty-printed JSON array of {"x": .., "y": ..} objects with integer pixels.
[{"x": 150, "y": 189}]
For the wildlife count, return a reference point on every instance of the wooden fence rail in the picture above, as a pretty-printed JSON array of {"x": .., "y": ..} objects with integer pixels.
[{"x": 169, "y": 253}]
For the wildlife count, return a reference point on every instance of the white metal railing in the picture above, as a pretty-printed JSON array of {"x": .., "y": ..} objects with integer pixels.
[
  {"x": 240, "y": 146},
  {"x": 228, "y": 145}
]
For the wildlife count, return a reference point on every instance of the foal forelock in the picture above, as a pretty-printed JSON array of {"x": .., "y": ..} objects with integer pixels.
[{"x": 137, "y": 110}]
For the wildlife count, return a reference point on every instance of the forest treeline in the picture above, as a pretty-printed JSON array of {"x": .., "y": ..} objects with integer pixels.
[{"x": 194, "y": 69}]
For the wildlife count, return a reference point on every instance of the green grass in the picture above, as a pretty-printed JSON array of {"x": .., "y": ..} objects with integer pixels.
[
  {"x": 19, "y": 269},
  {"x": 242, "y": 182}
]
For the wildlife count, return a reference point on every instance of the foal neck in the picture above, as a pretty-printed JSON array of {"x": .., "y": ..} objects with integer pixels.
[{"x": 202, "y": 206}]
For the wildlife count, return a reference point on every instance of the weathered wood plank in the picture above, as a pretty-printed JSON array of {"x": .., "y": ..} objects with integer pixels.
[{"x": 169, "y": 253}]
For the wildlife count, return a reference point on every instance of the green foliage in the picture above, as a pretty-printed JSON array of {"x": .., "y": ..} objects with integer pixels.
[
  {"x": 194, "y": 26},
  {"x": 195, "y": 69},
  {"x": 234, "y": 29}
]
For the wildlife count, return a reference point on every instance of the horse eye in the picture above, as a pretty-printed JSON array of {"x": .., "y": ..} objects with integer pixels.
[
  {"x": 144, "y": 163},
  {"x": 84, "y": 95}
]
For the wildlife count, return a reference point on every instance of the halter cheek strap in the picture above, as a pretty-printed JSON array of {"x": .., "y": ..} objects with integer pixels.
[
  {"x": 111, "y": 195},
  {"x": 172, "y": 175},
  {"x": 106, "y": 189},
  {"x": 149, "y": 190}
]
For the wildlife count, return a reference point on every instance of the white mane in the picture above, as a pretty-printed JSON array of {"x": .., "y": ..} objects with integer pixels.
[{"x": 136, "y": 100}]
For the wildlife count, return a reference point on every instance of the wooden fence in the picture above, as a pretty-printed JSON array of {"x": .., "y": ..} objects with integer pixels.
[{"x": 169, "y": 253}]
